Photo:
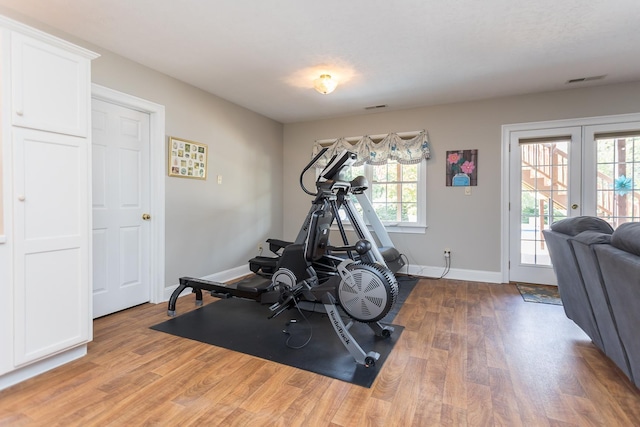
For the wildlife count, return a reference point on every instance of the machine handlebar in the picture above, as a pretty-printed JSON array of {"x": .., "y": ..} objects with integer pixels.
[{"x": 306, "y": 168}]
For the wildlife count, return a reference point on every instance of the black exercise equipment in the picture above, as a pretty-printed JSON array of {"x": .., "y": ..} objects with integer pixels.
[{"x": 311, "y": 274}]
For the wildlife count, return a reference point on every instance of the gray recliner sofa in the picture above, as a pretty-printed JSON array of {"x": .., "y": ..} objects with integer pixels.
[
  {"x": 619, "y": 263},
  {"x": 576, "y": 301},
  {"x": 584, "y": 246},
  {"x": 598, "y": 272}
]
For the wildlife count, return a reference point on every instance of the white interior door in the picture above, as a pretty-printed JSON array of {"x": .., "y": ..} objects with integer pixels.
[
  {"x": 545, "y": 186},
  {"x": 121, "y": 229}
]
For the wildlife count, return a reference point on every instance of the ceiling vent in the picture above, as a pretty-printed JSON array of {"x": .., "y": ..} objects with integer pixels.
[
  {"x": 376, "y": 107},
  {"x": 585, "y": 79}
]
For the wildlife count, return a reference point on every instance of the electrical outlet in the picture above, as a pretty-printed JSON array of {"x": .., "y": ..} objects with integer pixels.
[
  {"x": 260, "y": 248},
  {"x": 447, "y": 253}
]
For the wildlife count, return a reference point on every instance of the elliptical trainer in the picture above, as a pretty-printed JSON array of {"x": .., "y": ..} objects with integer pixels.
[{"x": 351, "y": 279}]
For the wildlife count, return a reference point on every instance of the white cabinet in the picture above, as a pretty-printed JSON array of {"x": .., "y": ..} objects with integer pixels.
[
  {"x": 46, "y": 189},
  {"x": 50, "y": 87}
]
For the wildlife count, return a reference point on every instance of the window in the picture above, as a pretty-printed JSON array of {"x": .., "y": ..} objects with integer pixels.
[
  {"x": 397, "y": 193},
  {"x": 395, "y": 167},
  {"x": 618, "y": 175}
]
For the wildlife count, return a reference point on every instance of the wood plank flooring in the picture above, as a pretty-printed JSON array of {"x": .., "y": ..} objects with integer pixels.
[{"x": 471, "y": 354}]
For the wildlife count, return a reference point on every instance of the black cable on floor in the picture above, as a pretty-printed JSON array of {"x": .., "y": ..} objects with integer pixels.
[
  {"x": 286, "y": 331},
  {"x": 447, "y": 268}
]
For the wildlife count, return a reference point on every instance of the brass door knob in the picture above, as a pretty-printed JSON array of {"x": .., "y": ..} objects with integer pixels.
[
  {"x": 574, "y": 206},
  {"x": 146, "y": 217}
]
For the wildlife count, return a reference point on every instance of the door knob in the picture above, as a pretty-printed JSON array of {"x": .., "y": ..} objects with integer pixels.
[
  {"x": 574, "y": 206},
  {"x": 146, "y": 217}
]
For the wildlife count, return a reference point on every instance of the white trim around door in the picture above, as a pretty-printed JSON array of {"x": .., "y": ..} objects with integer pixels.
[{"x": 157, "y": 172}]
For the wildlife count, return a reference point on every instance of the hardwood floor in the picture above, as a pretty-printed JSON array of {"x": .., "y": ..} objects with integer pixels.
[{"x": 471, "y": 354}]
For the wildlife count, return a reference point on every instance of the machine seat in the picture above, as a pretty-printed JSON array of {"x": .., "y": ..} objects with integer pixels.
[
  {"x": 255, "y": 284},
  {"x": 265, "y": 264}
]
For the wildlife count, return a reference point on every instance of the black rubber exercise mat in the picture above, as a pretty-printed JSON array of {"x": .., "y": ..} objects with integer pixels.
[{"x": 243, "y": 326}]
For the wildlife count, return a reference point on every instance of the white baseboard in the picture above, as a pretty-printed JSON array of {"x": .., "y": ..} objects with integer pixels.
[
  {"x": 37, "y": 368},
  {"x": 223, "y": 276},
  {"x": 454, "y": 273}
]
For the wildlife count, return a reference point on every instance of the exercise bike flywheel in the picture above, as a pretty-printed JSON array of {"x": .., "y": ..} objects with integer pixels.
[{"x": 368, "y": 292}]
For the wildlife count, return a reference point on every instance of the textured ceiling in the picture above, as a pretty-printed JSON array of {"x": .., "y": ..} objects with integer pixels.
[{"x": 263, "y": 55}]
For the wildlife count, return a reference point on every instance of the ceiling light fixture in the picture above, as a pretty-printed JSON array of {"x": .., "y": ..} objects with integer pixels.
[{"x": 325, "y": 84}]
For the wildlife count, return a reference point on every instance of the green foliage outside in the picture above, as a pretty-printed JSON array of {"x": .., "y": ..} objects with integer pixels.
[{"x": 394, "y": 190}]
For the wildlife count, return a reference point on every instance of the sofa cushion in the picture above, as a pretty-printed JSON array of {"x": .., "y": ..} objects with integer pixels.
[
  {"x": 575, "y": 225},
  {"x": 627, "y": 237},
  {"x": 590, "y": 237}
]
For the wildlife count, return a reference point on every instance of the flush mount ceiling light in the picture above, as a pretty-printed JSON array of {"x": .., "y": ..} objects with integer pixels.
[{"x": 325, "y": 84}]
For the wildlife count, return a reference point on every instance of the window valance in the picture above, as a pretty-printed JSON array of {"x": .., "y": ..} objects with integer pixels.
[{"x": 378, "y": 149}]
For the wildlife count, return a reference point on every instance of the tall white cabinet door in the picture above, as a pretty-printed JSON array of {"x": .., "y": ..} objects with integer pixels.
[
  {"x": 51, "y": 252},
  {"x": 49, "y": 87}
]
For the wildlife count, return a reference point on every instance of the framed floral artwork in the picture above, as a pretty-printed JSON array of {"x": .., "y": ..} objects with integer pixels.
[
  {"x": 462, "y": 168},
  {"x": 187, "y": 159}
]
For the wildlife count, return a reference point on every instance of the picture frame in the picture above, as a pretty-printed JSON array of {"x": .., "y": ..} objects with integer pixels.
[
  {"x": 187, "y": 159},
  {"x": 461, "y": 168}
]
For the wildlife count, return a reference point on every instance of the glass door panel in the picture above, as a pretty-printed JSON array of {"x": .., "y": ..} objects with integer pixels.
[
  {"x": 612, "y": 171},
  {"x": 618, "y": 175}
]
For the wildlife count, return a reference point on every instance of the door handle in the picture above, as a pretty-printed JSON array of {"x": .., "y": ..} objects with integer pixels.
[
  {"x": 146, "y": 216},
  {"x": 574, "y": 206}
]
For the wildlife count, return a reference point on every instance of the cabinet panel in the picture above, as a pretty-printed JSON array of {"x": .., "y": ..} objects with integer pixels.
[
  {"x": 49, "y": 87},
  {"x": 51, "y": 212},
  {"x": 51, "y": 304},
  {"x": 51, "y": 229}
]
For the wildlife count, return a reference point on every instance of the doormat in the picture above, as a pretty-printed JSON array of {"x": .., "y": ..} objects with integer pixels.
[
  {"x": 545, "y": 294},
  {"x": 242, "y": 326}
]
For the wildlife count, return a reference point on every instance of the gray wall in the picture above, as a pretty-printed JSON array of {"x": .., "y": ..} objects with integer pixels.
[
  {"x": 209, "y": 228},
  {"x": 468, "y": 225}
]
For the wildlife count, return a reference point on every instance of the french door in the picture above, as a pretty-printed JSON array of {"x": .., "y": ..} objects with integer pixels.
[
  {"x": 555, "y": 172},
  {"x": 546, "y": 186}
]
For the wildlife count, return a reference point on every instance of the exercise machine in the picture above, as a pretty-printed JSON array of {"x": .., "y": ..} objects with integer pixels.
[
  {"x": 331, "y": 179},
  {"x": 311, "y": 274}
]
